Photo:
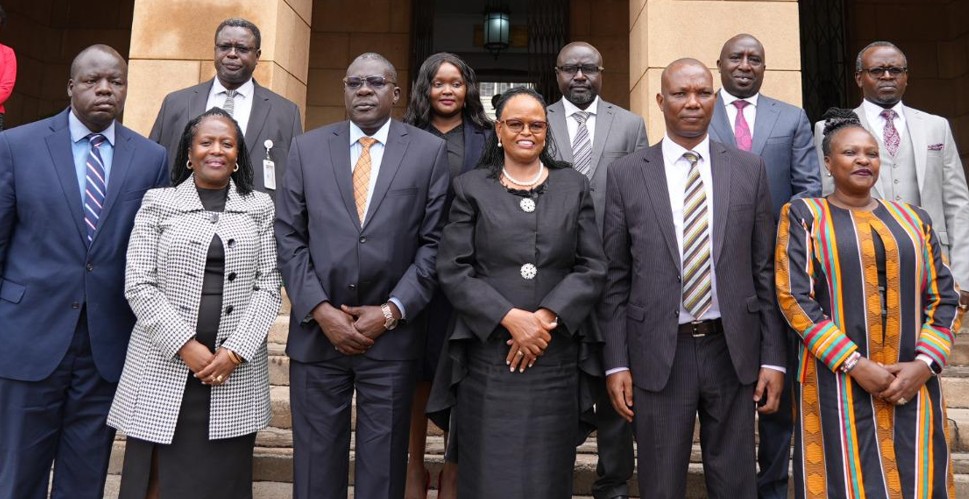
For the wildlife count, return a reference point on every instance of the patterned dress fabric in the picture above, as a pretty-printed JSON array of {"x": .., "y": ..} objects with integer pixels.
[{"x": 849, "y": 444}]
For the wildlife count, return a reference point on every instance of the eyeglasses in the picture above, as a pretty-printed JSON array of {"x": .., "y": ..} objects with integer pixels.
[
  {"x": 587, "y": 69},
  {"x": 892, "y": 70},
  {"x": 374, "y": 82},
  {"x": 240, "y": 49},
  {"x": 517, "y": 126}
]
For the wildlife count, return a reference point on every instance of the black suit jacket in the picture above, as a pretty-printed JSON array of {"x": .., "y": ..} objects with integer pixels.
[
  {"x": 326, "y": 255},
  {"x": 639, "y": 312},
  {"x": 273, "y": 117}
]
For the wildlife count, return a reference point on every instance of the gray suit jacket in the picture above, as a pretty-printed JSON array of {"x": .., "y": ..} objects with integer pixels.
[
  {"x": 782, "y": 136},
  {"x": 163, "y": 282},
  {"x": 639, "y": 311},
  {"x": 273, "y": 117},
  {"x": 618, "y": 133},
  {"x": 326, "y": 255},
  {"x": 942, "y": 182}
]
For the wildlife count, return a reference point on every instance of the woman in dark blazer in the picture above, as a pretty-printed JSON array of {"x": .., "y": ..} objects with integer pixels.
[
  {"x": 445, "y": 101},
  {"x": 521, "y": 260},
  {"x": 202, "y": 281}
]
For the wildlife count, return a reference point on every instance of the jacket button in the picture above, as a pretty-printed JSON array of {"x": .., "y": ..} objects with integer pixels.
[
  {"x": 255, "y": 288},
  {"x": 89, "y": 267},
  {"x": 231, "y": 242},
  {"x": 228, "y": 310},
  {"x": 352, "y": 286},
  {"x": 232, "y": 276},
  {"x": 76, "y": 305},
  {"x": 363, "y": 239},
  {"x": 676, "y": 313},
  {"x": 679, "y": 278}
]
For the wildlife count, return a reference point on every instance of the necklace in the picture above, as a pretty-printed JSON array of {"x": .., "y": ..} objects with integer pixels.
[{"x": 528, "y": 183}]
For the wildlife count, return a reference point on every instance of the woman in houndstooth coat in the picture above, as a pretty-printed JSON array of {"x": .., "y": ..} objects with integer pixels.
[{"x": 202, "y": 280}]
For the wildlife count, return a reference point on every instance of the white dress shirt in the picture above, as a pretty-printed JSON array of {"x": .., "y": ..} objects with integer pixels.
[
  {"x": 873, "y": 115},
  {"x": 242, "y": 106},
  {"x": 750, "y": 111},
  {"x": 573, "y": 125}
]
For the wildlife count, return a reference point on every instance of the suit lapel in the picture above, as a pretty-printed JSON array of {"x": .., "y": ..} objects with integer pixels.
[
  {"x": 120, "y": 165},
  {"x": 196, "y": 104},
  {"x": 340, "y": 162},
  {"x": 62, "y": 159},
  {"x": 860, "y": 112},
  {"x": 767, "y": 115},
  {"x": 560, "y": 131},
  {"x": 257, "y": 118},
  {"x": 720, "y": 125},
  {"x": 916, "y": 130},
  {"x": 474, "y": 138},
  {"x": 720, "y": 172},
  {"x": 604, "y": 117},
  {"x": 394, "y": 150},
  {"x": 657, "y": 190}
]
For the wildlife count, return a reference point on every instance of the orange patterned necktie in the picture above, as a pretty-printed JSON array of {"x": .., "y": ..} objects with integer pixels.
[{"x": 361, "y": 177}]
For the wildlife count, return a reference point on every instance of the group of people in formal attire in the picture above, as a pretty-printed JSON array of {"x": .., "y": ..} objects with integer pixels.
[{"x": 520, "y": 282}]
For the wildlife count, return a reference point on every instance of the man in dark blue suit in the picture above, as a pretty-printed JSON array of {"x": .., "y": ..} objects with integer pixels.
[
  {"x": 70, "y": 186},
  {"x": 358, "y": 223}
]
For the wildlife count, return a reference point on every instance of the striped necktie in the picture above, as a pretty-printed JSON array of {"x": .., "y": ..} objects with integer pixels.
[
  {"x": 582, "y": 145},
  {"x": 229, "y": 105},
  {"x": 697, "y": 285},
  {"x": 95, "y": 186},
  {"x": 361, "y": 177}
]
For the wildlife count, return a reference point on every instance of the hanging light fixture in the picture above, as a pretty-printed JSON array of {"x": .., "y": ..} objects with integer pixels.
[{"x": 497, "y": 27}]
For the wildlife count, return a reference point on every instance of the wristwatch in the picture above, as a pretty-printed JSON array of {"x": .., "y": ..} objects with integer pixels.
[{"x": 389, "y": 321}]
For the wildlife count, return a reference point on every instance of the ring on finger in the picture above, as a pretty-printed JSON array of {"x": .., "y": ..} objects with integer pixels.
[
  {"x": 219, "y": 378},
  {"x": 902, "y": 401},
  {"x": 521, "y": 353}
]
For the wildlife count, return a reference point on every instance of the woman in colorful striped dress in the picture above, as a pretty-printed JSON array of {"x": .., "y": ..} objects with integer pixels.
[{"x": 864, "y": 283}]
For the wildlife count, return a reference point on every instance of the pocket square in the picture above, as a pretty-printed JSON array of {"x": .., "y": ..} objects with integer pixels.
[{"x": 935, "y": 147}]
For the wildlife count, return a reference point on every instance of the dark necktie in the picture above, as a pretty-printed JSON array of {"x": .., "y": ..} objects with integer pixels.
[{"x": 95, "y": 186}]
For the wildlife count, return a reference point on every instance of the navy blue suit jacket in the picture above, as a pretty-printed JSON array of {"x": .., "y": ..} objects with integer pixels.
[{"x": 48, "y": 275}]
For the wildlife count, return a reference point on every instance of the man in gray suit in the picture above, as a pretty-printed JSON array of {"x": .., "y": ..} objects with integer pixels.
[
  {"x": 268, "y": 120},
  {"x": 689, "y": 313},
  {"x": 780, "y": 134},
  {"x": 592, "y": 133},
  {"x": 358, "y": 224},
  {"x": 919, "y": 161}
]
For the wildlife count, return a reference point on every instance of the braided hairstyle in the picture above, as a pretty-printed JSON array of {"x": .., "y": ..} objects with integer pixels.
[{"x": 836, "y": 119}]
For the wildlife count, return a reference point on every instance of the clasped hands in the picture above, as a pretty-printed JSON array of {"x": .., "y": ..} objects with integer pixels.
[
  {"x": 209, "y": 368},
  {"x": 531, "y": 332},
  {"x": 895, "y": 383},
  {"x": 352, "y": 330}
]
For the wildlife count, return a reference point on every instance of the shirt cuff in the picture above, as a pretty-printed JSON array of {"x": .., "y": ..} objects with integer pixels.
[
  {"x": 615, "y": 370},
  {"x": 925, "y": 358},
  {"x": 400, "y": 306},
  {"x": 776, "y": 368}
]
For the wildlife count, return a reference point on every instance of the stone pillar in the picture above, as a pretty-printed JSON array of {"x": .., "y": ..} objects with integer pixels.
[
  {"x": 172, "y": 45},
  {"x": 661, "y": 31}
]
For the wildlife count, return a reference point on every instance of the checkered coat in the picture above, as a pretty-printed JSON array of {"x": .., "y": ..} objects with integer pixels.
[{"x": 163, "y": 284}]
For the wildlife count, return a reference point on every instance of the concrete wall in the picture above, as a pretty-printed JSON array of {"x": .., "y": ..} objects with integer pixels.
[{"x": 600, "y": 23}]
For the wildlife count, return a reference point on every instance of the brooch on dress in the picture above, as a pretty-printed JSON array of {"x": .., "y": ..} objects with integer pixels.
[{"x": 527, "y": 205}]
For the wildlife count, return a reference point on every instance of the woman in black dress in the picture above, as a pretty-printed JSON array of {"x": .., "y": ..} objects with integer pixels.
[
  {"x": 201, "y": 279},
  {"x": 522, "y": 263},
  {"x": 445, "y": 101}
]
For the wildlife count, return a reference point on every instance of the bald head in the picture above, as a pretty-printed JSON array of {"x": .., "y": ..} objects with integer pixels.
[
  {"x": 577, "y": 73},
  {"x": 686, "y": 99},
  {"x": 98, "y": 86},
  {"x": 742, "y": 63},
  {"x": 99, "y": 49}
]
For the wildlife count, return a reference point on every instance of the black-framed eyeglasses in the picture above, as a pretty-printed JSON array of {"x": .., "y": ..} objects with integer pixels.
[
  {"x": 225, "y": 48},
  {"x": 375, "y": 82},
  {"x": 517, "y": 126},
  {"x": 587, "y": 69},
  {"x": 891, "y": 70}
]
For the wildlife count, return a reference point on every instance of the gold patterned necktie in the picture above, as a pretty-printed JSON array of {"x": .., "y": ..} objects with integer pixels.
[
  {"x": 361, "y": 177},
  {"x": 697, "y": 283}
]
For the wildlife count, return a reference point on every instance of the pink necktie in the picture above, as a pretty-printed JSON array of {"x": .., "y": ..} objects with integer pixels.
[
  {"x": 890, "y": 133},
  {"x": 741, "y": 130}
]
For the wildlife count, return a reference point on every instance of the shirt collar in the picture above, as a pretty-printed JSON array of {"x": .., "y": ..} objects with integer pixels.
[
  {"x": 79, "y": 132},
  {"x": 571, "y": 109},
  {"x": 672, "y": 152},
  {"x": 381, "y": 135},
  {"x": 874, "y": 110},
  {"x": 728, "y": 98},
  {"x": 245, "y": 90}
]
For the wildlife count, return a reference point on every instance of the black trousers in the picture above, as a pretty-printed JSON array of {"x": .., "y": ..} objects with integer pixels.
[
  {"x": 614, "y": 438},
  {"x": 703, "y": 381},
  {"x": 321, "y": 397}
]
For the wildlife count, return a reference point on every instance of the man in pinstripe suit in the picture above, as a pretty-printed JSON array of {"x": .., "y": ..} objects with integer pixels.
[{"x": 681, "y": 217}]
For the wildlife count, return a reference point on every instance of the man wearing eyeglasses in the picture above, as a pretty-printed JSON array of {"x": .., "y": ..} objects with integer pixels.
[
  {"x": 268, "y": 120},
  {"x": 592, "y": 133},
  {"x": 358, "y": 223},
  {"x": 919, "y": 161}
]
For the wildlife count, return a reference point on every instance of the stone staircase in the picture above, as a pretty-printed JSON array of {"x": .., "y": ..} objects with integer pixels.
[{"x": 273, "y": 467}]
